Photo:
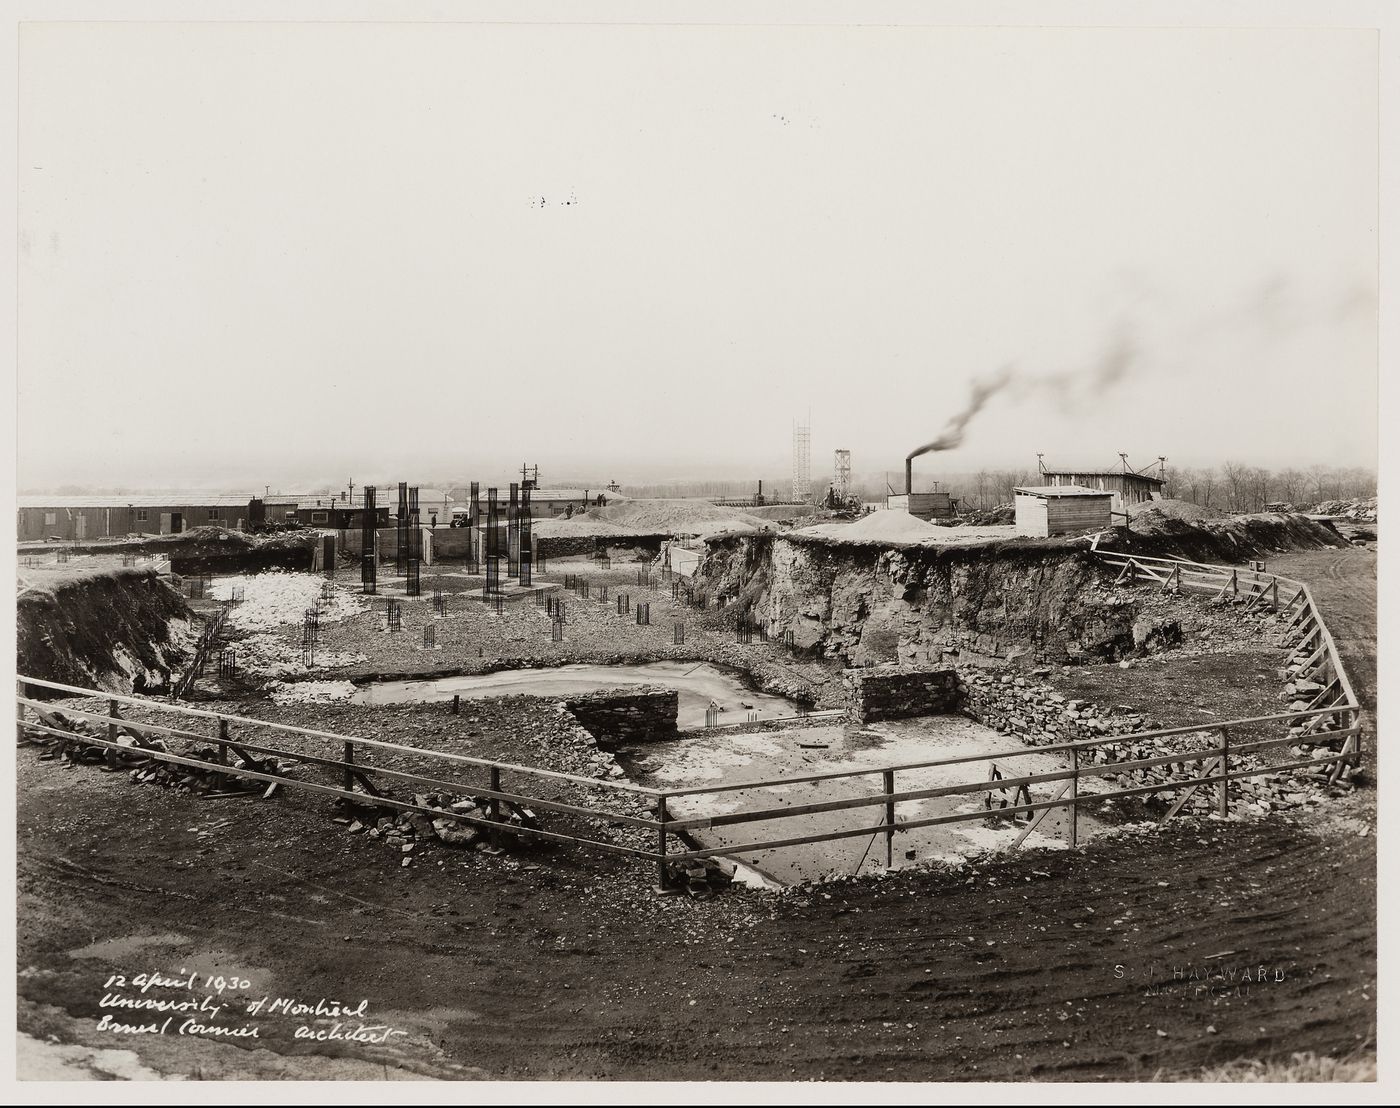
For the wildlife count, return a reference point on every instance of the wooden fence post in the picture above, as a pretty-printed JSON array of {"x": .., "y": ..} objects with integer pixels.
[
  {"x": 223, "y": 739},
  {"x": 1074, "y": 798},
  {"x": 349, "y": 761},
  {"x": 114, "y": 716},
  {"x": 19, "y": 711},
  {"x": 495, "y": 805},
  {"x": 889, "y": 817},
  {"x": 1224, "y": 799},
  {"x": 662, "y": 882}
]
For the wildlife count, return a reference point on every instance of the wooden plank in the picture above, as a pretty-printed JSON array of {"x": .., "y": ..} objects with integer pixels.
[
  {"x": 1040, "y": 816},
  {"x": 1285, "y": 740},
  {"x": 1190, "y": 789},
  {"x": 1305, "y": 668}
]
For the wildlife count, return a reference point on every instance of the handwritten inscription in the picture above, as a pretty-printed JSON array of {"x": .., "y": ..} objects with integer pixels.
[{"x": 219, "y": 1006}]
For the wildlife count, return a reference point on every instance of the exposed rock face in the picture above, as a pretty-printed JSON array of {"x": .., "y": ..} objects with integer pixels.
[{"x": 919, "y": 606}]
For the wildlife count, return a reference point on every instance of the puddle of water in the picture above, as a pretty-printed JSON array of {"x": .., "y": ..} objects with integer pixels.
[
  {"x": 697, "y": 683},
  {"x": 127, "y": 946},
  {"x": 715, "y": 758}
]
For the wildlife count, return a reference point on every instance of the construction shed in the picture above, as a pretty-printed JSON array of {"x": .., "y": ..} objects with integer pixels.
[
  {"x": 83, "y": 517},
  {"x": 1045, "y": 510},
  {"x": 924, "y": 505}
]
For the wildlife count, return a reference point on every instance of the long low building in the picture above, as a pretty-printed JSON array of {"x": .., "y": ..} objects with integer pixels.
[{"x": 84, "y": 517}]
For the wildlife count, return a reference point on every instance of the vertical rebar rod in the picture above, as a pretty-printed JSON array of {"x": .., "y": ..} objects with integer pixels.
[
  {"x": 513, "y": 531},
  {"x": 527, "y": 553},
  {"x": 401, "y": 532}
]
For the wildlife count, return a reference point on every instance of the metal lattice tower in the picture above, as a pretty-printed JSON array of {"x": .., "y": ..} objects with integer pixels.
[
  {"x": 843, "y": 474},
  {"x": 801, "y": 463}
]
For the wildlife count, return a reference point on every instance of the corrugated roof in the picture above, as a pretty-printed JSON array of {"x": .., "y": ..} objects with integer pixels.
[
  {"x": 1062, "y": 490},
  {"x": 169, "y": 500}
]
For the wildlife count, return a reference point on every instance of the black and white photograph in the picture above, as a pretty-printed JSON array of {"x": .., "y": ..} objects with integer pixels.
[{"x": 609, "y": 551}]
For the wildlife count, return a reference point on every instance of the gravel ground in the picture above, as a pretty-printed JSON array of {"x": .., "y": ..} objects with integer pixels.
[{"x": 471, "y": 638}]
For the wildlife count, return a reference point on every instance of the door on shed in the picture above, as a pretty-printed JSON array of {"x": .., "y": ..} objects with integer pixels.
[
  {"x": 165, "y": 523},
  {"x": 82, "y": 524},
  {"x": 177, "y": 522}
]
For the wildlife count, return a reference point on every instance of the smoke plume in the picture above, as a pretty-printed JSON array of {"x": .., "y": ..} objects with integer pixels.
[{"x": 1114, "y": 364}]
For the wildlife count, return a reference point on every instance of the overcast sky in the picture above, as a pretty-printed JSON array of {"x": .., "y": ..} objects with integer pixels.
[{"x": 262, "y": 253}]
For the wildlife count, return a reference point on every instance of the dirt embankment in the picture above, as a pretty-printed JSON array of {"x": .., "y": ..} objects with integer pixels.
[
  {"x": 100, "y": 628},
  {"x": 1232, "y": 539}
]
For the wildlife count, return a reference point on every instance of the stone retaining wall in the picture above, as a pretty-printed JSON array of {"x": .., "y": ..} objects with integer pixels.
[
  {"x": 622, "y": 717},
  {"x": 890, "y": 693}
]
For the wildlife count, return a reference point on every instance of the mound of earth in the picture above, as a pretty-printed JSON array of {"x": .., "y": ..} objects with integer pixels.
[
  {"x": 1176, "y": 509},
  {"x": 581, "y": 526},
  {"x": 1232, "y": 539},
  {"x": 879, "y": 526},
  {"x": 99, "y": 627},
  {"x": 678, "y": 517},
  {"x": 782, "y": 513}
]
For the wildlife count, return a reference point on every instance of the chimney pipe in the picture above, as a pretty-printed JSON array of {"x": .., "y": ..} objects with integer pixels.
[{"x": 908, "y": 476}]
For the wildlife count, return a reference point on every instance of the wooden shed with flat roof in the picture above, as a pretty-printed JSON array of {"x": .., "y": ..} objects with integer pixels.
[{"x": 1046, "y": 510}]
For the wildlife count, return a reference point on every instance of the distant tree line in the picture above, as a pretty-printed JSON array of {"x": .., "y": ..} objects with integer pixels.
[{"x": 1238, "y": 487}]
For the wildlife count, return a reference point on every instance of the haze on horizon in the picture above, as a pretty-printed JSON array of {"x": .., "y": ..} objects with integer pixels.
[{"x": 299, "y": 254}]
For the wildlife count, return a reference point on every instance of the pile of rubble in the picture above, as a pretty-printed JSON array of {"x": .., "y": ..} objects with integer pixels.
[
  {"x": 1355, "y": 509},
  {"x": 1034, "y": 712},
  {"x": 1000, "y": 516},
  {"x": 408, "y": 831},
  {"x": 1301, "y": 691},
  {"x": 1037, "y": 715},
  {"x": 136, "y": 753},
  {"x": 700, "y": 878}
]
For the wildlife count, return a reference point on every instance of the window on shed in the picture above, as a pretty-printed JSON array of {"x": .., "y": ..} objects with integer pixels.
[
  {"x": 141, "y": 515},
  {"x": 50, "y": 518},
  {"x": 216, "y": 513},
  {"x": 319, "y": 517}
]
